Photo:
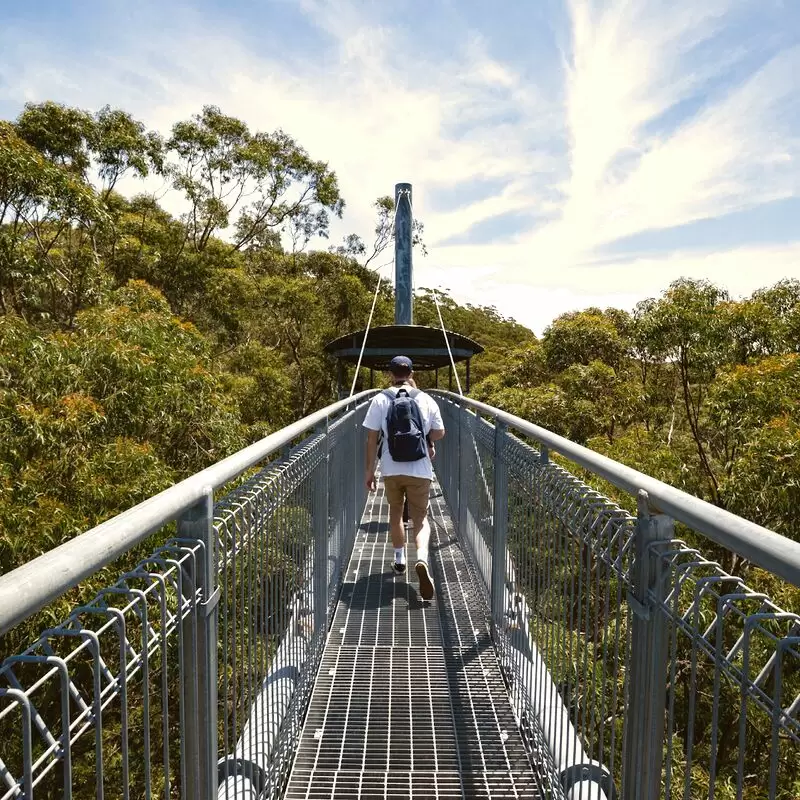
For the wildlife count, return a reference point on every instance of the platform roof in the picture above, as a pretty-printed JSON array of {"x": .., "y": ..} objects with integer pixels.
[{"x": 425, "y": 346}]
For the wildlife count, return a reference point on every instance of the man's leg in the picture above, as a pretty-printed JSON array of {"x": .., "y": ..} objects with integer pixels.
[
  {"x": 418, "y": 491},
  {"x": 395, "y": 496},
  {"x": 398, "y": 530},
  {"x": 422, "y": 534}
]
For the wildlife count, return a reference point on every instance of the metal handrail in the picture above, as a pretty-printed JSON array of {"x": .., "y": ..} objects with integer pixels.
[
  {"x": 620, "y": 641},
  {"x": 757, "y": 544},
  {"x": 30, "y": 587}
]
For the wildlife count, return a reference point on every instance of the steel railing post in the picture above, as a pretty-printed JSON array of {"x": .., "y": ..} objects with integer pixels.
[
  {"x": 320, "y": 578},
  {"x": 647, "y": 683},
  {"x": 463, "y": 422},
  {"x": 358, "y": 472},
  {"x": 499, "y": 525},
  {"x": 200, "y": 686}
]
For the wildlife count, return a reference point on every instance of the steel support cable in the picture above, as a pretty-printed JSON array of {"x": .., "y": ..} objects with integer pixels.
[
  {"x": 447, "y": 342},
  {"x": 366, "y": 332}
]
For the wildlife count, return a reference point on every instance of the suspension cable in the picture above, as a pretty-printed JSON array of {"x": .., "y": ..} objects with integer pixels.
[
  {"x": 364, "y": 343},
  {"x": 447, "y": 342},
  {"x": 441, "y": 321}
]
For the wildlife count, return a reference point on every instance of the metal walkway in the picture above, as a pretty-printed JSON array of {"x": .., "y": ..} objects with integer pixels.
[
  {"x": 409, "y": 700},
  {"x": 632, "y": 666}
]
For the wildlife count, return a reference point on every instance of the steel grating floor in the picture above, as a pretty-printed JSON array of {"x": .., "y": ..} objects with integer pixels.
[{"x": 409, "y": 700}]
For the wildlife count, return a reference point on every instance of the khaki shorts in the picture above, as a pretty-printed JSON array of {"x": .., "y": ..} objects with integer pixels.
[{"x": 417, "y": 490}]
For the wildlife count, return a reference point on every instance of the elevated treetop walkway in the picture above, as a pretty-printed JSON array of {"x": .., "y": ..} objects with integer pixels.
[
  {"x": 573, "y": 649},
  {"x": 252, "y": 642}
]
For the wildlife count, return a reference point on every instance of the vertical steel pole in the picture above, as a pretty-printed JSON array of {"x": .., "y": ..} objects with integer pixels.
[
  {"x": 358, "y": 485},
  {"x": 644, "y": 729},
  {"x": 463, "y": 500},
  {"x": 201, "y": 742},
  {"x": 320, "y": 579},
  {"x": 499, "y": 526},
  {"x": 403, "y": 291},
  {"x": 468, "y": 380}
]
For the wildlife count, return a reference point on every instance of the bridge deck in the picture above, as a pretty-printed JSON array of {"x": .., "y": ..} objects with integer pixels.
[{"x": 409, "y": 700}]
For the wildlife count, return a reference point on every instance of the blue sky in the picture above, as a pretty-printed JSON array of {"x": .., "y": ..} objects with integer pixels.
[{"x": 564, "y": 153}]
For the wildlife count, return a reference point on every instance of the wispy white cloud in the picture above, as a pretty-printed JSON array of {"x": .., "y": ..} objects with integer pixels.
[
  {"x": 627, "y": 72},
  {"x": 598, "y": 149},
  {"x": 439, "y": 121},
  {"x": 737, "y": 154},
  {"x": 537, "y": 294}
]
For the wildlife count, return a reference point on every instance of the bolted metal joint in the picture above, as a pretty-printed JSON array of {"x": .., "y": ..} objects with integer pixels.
[{"x": 601, "y": 784}]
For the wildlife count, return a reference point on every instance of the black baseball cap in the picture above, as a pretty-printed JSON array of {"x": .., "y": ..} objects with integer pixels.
[{"x": 400, "y": 364}]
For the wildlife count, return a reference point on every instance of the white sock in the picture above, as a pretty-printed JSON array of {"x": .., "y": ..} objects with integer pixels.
[
  {"x": 399, "y": 555},
  {"x": 424, "y": 534}
]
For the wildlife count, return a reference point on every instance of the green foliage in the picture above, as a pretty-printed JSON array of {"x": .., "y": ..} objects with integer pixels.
[
  {"x": 220, "y": 162},
  {"x": 111, "y": 141},
  {"x": 137, "y": 347},
  {"x": 501, "y": 337},
  {"x": 582, "y": 337},
  {"x": 121, "y": 145},
  {"x": 695, "y": 389},
  {"x": 99, "y": 418},
  {"x": 60, "y": 133},
  {"x": 764, "y": 481}
]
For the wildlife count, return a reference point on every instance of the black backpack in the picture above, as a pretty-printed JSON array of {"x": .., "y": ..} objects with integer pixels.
[{"x": 405, "y": 432}]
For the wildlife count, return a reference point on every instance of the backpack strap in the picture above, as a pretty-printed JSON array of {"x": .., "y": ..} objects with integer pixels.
[{"x": 410, "y": 390}]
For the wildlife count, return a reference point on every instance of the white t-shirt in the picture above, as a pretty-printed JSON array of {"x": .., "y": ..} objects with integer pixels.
[{"x": 431, "y": 420}]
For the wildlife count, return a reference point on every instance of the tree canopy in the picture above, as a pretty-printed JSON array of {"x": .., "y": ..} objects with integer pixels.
[
  {"x": 700, "y": 390},
  {"x": 137, "y": 346},
  {"x": 698, "y": 387}
]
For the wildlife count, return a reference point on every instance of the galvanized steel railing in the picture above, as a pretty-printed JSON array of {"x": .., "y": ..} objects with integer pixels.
[
  {"x": 643, "y": 665},
  {"x": 640, "y": 665},
  {"x": 190, "y": 671}
]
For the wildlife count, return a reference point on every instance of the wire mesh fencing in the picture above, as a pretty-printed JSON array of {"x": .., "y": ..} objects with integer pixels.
[
  {"x": 646, "y": 668},
  {"x": 284, "y": 540},
  {"x": 98, "y": 705},
  {"x": 638, "y": 663},
  {"x": 188, "y": 676}
]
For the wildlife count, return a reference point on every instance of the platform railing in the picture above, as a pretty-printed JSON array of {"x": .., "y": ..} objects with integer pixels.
[
  {"x": 644, "y": 666},
  {"x": 635, "y": 662},
  {"x": 187, "y": 676}
]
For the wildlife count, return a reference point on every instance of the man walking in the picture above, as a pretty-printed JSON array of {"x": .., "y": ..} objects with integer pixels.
[{"x": 411, "y": 422}]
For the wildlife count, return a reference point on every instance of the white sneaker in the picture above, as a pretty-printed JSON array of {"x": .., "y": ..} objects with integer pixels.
[{"x": 425, "y": 582}]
